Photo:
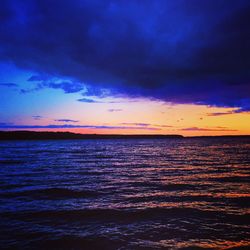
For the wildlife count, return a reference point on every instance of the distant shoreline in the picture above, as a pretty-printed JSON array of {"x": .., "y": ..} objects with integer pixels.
[{"x": 33, "y": 135}]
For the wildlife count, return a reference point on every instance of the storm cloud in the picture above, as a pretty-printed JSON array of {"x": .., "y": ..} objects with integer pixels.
[{"x": 176, "y": 51}]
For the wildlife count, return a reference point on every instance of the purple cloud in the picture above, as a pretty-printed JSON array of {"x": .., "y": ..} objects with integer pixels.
[
  {"x": 114, "y": 110},
  {"x": 72, "y": 126},
  {"x": 37, "y": 117},
  {"x": 66, "y": 120},
  {"x": 236, "y": 111},
  {"x": 145, "y": 124},
  {"x": 207, "y": 129},
  {"x": 88, "y": 100},
  {"x": 136, "y": 124}
]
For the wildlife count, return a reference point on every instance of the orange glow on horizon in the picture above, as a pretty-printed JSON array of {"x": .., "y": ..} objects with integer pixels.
[{"x": 143, "y": 117}]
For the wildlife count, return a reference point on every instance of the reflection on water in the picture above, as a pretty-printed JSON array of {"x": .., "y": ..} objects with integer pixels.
[{"x": 125, "y": 194}]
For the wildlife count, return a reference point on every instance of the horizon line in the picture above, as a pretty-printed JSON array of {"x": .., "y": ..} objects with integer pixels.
[{"x": 122, "y": 135}]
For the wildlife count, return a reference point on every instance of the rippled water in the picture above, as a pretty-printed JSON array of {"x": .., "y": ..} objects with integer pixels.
[{"x": 125, "y": 194}]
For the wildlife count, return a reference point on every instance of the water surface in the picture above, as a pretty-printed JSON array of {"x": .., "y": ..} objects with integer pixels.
[{"x": 125, "y": 194}]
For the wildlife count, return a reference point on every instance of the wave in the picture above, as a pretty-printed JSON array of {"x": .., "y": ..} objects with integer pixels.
[
  {"x": 234, "y": 179},
  {"x": 129, "y": 215},
  {"x": 168, "y": 187},
  {"x": 52, "y": 193},
  {"x": 241, "y": 202},
  {"x": 11, "y": 162},
  {"x": 180, "y": 187}
]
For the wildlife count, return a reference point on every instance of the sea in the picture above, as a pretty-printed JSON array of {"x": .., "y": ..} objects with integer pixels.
[{"x": 190, "y": 193}]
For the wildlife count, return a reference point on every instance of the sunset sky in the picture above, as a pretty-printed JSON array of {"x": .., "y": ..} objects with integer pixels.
[{"x": 125, "y": 67}]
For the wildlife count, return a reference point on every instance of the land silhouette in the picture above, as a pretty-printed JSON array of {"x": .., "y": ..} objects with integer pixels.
[
  {"x": 31, "y": 135},
  {"x": 41, "y": 135}
]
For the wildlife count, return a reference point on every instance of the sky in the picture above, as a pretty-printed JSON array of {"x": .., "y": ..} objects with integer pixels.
[{"x": 125, "y": 67}]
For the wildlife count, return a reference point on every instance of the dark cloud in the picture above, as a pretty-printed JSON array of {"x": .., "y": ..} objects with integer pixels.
[
  {"x": 6, "y": 124},
  {"x": 72, "y": 126},
  {"x": 67, "y": 86},
  {"x": 94, "y": 91},
  {"x": 162, "y": 126},
  {"x": 208, "y": 129},
  {"x": 26, "y": 91},
  {"x": 65, "y": 120},
  {"x": 114, "y": 110},
  {"x": 8, "y": 85},
  {"x": 136, "y": 124},
  {"x": 38, "y": 78},
  {"x": 37, "y": 117},
  {"x": 177, "y": 51},
  {"x": 230, "y": 112},
  {"x": 88, "y": 100},
  {"x": 145, "y": 124},
  {"x": 100, "y": 100}
]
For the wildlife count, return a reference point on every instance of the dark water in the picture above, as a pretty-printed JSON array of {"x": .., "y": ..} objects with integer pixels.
[{"x": 125, "y": 194}]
